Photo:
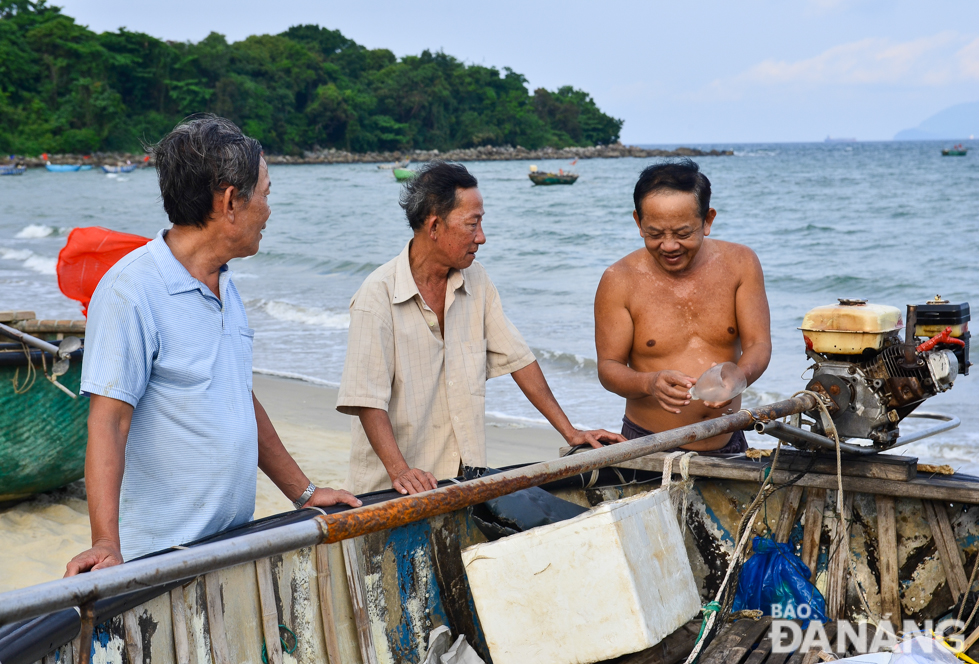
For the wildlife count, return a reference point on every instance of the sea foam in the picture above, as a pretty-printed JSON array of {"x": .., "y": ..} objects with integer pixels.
[
  {"x": 308, "y": 315},
  {"x": 40, "y": 264},
  {"x": 34, "y": 231}
]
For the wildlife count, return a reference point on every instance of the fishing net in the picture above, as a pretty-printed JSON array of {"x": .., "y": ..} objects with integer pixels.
[{"x": 88, "y": 254}]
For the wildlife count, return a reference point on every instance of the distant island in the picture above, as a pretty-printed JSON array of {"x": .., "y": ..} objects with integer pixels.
[
  {"x": 957, "y": 122},
  {"x": 309, "y": 90}
]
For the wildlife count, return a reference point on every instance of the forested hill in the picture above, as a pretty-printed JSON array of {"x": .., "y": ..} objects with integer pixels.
[{"x": 64, "y": 88}]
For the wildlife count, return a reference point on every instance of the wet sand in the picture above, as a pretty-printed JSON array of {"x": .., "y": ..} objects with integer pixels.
[{"x": 40, "y": 535}]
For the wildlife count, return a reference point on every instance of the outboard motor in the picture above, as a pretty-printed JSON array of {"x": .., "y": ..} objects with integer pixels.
[{"x": 873, "y": 377}]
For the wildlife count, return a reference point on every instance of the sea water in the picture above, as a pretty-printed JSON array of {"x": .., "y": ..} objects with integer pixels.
[{"x": 894, "y": 223}]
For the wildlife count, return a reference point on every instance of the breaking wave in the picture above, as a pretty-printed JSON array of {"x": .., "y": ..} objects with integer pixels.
[
  {"x": 566, "y": 362},
  {"x": 35, "y": 231},
  {"x": 294, "y": 313},
  {"x": 40, "y": 264}
]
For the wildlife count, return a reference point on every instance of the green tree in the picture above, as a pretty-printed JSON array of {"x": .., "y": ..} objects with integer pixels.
[{"x": 66, "y": 88}]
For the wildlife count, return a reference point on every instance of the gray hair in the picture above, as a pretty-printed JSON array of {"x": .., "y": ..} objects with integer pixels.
[
  {"x": 433, "y": 189},
  {"x": 204, "y": 154}
]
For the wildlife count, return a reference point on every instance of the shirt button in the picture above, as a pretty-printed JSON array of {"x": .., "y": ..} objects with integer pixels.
[
  {"x": 432, "y": 324},
  {"x": 455, "y": 417},
  {"x": 451, "y": 383}
]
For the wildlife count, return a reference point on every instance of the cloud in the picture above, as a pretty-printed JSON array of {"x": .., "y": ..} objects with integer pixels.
[{"x": 942, "y": 59}]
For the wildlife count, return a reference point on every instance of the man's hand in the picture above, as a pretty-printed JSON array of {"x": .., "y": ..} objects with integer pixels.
[
  {"x": 100, "y": 556},
  {"x": 717, "y": 405},
  {"x": 325, "y": 497},
  {"x": 414, "y": 480},
  {"x": 671, "y": 389},
  {"x": 594, "y": 438}
]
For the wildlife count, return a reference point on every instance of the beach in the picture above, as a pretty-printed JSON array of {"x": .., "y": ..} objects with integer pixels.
[{"x": 40, "y": 535}]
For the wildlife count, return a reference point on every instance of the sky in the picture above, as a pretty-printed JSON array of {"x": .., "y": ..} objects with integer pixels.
[{"x": 712, "y": 71}]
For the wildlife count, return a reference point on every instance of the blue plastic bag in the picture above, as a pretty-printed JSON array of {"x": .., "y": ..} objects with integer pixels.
[{"x": 776, "y": 581}]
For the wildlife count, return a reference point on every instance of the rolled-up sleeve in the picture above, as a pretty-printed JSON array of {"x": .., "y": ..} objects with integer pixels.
[
  {"x": 368, "y": 369},
  {"x": 119, "y": 348},
  {"x": 506, "y": 350}
]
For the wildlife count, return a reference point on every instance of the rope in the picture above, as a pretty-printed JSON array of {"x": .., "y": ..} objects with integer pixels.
[
  {"x": 744, "y": 534},
  {"x": 285, "y": 646},
  {"x": 28, "y": 383},
  {"x": 679, "y": 491}
]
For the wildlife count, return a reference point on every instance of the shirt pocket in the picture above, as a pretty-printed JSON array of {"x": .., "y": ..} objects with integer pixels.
[
  {"x": 246, "y": 336},
  {"x": 474, "y": 359}
]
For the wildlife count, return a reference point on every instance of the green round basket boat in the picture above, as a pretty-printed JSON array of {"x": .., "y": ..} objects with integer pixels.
[{"x": 43, "y": 432}]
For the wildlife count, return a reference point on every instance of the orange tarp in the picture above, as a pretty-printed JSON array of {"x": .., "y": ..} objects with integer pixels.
[{"x": 88, "y": 254}]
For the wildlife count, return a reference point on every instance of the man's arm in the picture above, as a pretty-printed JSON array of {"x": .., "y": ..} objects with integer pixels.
[
  {"x": 614, "y": 331},
  {"x": 754, "y": 320},
  {"x": 532, "y": 383},
  {"x": 276, "y": 462},
  {"x": 380, "y": 434},
  {"x": 105, "y": 460}
]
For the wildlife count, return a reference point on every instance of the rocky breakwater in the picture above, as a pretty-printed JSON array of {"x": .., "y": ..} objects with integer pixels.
[
  {"x": 488, "y": 153},
  {"x": 333, "y": 156},
  {"x": 94, "y": 160}
]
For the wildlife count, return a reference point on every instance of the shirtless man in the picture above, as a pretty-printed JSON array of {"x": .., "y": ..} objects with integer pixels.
[{"x": 668, "y": 312}]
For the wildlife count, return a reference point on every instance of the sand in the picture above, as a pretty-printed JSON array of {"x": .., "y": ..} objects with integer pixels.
[{"x": 40, "y": 535}]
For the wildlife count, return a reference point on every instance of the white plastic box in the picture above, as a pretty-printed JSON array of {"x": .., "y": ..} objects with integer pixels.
[{"x": 612, "y": 581}]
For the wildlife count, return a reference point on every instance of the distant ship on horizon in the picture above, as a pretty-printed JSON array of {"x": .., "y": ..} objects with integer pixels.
[{"x": 830, "y": 139}]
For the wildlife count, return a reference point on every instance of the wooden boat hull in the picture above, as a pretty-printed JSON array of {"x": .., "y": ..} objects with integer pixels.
[
  {"x": 63, "y": 168},
  {"x": 954, "y": 153},
  {"x": 43, "y": 433},
  {"x": 11, "y": 170},
  {"x": 553, "y": 178},
  {"x": 129, "y": 168},
  {"x": 376, "y": 598}
]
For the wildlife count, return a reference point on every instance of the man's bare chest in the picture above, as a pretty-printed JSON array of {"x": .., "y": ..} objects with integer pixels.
[{"x": 668, "y": 319}]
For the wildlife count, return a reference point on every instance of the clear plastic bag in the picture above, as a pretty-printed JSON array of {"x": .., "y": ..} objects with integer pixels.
[
  {"x": 922, "y": 650},
  {"x": 721, "y": 382}
]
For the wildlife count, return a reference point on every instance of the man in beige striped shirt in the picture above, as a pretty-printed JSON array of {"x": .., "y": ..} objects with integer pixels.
[{"x": 426, "y": 331}]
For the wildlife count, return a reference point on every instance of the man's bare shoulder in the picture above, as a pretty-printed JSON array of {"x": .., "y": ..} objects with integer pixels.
[
  {"x": 628, "y": 266},
  {"x": 618, "y": 277},
  {"x": 739, "y": 258}
]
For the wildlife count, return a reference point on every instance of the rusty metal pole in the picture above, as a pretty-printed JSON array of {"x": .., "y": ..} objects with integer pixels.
[
  {"x": 188, "y": 563},
  {"x": 393, "y": 513}
]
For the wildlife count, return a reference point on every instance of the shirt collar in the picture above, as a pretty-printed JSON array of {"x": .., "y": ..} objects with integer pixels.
[
  {"x": 175, "y": 275},
  {"x": 405, "y": 287}
]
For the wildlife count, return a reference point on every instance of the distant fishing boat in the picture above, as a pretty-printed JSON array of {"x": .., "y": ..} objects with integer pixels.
[
  {"x": 63, "y": 168},
  {"x": 552, "y": 178},
  {"x": 43, "y": 430},
  {"x": 12, "y": 170},
  {"x": 127, "y": 168},
  {"x": 403, "y": 174},
  {"x": 956, "y": 151}
]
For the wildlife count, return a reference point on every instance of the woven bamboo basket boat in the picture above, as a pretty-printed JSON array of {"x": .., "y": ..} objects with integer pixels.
[{"x": 42, "y": 429}]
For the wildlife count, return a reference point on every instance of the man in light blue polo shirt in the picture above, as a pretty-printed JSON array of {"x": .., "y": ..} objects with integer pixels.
[{"x": 175, "y": 435}]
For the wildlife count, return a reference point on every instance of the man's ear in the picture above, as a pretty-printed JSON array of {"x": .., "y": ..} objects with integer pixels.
[
  {"x": 711, "y": 213},
  {"x": 635, "y": 215},
  {"x": 434, "y": 225},
  {"x": 226, "y": 203}
]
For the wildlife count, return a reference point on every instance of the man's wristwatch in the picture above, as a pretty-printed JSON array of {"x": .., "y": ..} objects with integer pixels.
[{"x": 307, "y": 494}]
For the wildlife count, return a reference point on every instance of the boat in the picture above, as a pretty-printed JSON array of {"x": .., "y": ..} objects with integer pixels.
[
  {"x": 13, "y": 170},
  {"x": 956, "y": 151},
  {"x": 43, "y": 429},
  {"x": 554, "y": 178},
  {"x": 122, "y": 168},
  {"x": 63, "y": 168},
  {"x": 403, "y": 174},
  {"x": 884, "y": 538},
  {"x": 349, "y": 589}
]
